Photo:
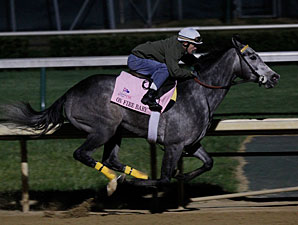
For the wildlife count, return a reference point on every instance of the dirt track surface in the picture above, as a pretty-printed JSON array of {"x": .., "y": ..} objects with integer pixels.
[{"x": 214, "y": 212}]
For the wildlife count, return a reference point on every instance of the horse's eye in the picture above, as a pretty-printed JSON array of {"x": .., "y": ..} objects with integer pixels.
[{"x": 253, "y": 57}]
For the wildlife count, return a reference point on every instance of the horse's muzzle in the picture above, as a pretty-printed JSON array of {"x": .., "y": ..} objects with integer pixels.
[{"x": 272, "y": 80}]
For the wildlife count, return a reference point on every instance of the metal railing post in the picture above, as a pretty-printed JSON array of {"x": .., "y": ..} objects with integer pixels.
[
  {"x": 180, "y": 9},
  {"x": 13, "y": 15},
  {"x": 111, "y": 14},
  {"x": 57, "y": 14}
]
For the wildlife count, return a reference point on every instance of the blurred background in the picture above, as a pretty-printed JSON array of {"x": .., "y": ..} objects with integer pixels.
[{"x": 18, "y": 15}]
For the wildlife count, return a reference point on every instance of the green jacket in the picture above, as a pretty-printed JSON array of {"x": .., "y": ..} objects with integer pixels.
[{"x": 169, "y": 51}]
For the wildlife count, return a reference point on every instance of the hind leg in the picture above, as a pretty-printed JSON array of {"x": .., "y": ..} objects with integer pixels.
[
  {"x": 110, "y": 158},
  {"x": 84, "y": 152}
]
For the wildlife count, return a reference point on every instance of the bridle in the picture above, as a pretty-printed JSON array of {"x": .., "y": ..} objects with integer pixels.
[{"x": 262, "y": 79}]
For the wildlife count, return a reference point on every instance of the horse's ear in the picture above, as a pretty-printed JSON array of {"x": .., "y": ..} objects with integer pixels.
[
  {"x": 236, "y": 40},
  {"x": 236, "y": 37}
]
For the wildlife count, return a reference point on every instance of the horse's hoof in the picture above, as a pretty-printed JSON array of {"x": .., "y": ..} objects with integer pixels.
[
  {"x": 121, "y": 178},
  {"x": 111, "y": 187}
]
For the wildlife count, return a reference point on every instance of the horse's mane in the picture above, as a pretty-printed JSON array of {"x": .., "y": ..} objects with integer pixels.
[{"x": 208, "y": 59}]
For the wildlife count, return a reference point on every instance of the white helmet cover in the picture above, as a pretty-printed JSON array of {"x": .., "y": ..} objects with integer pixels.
[{"x": 190, "y": 35}]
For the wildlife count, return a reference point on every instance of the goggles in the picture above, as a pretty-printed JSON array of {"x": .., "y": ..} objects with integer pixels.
[{"x": 196, "y": 41}]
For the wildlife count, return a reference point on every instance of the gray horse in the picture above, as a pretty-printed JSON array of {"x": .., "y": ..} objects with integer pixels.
[{"x": 87, "y": 106}]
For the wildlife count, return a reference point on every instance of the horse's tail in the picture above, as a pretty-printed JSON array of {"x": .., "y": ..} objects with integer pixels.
[{"x": 24, "y": 116}]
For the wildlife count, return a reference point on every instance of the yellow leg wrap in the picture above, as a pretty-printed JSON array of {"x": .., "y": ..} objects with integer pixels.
[
  {"x": 110, "y": 174},
  {"x": 135, "y": 173}
]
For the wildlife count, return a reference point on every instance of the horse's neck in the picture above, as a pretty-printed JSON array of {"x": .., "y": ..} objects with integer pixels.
[
  {"x": 219, "y": 74},
  {"x": 222, "y": 71}
]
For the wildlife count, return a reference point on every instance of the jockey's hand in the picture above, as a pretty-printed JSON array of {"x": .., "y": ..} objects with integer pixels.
[{"x": 194, "y": 73}]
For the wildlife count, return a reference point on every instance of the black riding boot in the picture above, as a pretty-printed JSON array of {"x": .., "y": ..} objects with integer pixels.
[{"x": 149, "y": 99}]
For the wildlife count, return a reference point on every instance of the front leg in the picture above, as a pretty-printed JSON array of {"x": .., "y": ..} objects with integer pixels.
[
  {"x": 171, "y": 157},
  {"x": 201, "y": 154},
  {"x": 169, "y": 163}
]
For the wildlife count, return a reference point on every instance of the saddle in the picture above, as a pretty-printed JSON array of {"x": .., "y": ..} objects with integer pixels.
[
  {"x": 131, "y": 87},
  {"x": 129, "y": 90}
]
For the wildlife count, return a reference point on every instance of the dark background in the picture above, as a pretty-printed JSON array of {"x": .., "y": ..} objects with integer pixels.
[{"x": 40, "y": 15}]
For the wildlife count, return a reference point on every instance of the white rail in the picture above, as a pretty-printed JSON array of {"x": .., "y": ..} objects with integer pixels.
[
  {"x": 276, "y": 124},
  {"x": 291, "y": 56},
  {"x": 256, "y": 124},
  {"x": 63, "y": 62},
  {"x": 149, "y": 30}
]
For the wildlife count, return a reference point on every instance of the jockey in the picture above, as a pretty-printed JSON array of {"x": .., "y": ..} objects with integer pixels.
[{"x": 159, "y": 60}]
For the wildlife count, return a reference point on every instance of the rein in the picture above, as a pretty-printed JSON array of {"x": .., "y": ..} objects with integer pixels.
[
  {"x": 262, "y": 79},
  {"x": 210, "y": 86}
]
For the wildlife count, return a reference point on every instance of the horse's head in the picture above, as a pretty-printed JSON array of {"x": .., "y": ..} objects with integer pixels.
[{"x": 252, "y": 67}]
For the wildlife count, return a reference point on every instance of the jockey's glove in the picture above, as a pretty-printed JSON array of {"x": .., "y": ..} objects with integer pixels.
[{"x": 194, "y": 73}]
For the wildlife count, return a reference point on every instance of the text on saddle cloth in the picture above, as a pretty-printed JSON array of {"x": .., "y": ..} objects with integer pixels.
[{"x": 128, "y": 93}]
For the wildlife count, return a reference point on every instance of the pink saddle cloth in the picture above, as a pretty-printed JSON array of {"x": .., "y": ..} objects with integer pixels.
[{"x": 129, "y": 90}]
